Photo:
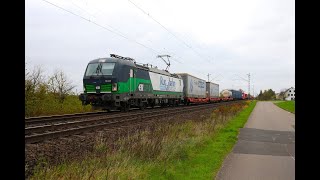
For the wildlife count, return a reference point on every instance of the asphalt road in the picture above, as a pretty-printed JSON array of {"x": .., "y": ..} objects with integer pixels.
[{"x": 265, "y": 149}]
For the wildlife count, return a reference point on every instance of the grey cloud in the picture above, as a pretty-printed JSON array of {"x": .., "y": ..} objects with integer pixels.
[{"x": 58, "y": 39}]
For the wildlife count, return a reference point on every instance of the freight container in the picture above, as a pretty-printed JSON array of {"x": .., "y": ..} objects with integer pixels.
[
  {"x": 236, "y": 94},
  {"x": 212, "y": 90},
  {"x": 163, "y": 81},
  {"x": 193, "y": 87}
]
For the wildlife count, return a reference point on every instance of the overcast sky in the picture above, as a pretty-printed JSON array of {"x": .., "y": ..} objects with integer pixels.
[{"x": 226, "y": 38}]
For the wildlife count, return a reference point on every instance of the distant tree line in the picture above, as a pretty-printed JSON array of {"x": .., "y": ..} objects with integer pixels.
[{"x": 266, "y": 95}]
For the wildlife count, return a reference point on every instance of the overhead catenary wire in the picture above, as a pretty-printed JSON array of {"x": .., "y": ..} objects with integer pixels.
[
  {"x": 93, "y": 22},
  {"x": 118, "y": 31},
  {"x": 112, "y": 30},
  {"x": 200, "y": 45},
  {"x": 82, "y": 8},
  {"x": 179, "y": 39},
  {"x": 173, "y": 58}
]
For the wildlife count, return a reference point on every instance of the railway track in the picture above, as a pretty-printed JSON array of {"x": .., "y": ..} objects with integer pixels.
[
  {"x": 32, "y": 121},
  {"x": 46, "y": 128},
  {"x": 47, "y": 120}
]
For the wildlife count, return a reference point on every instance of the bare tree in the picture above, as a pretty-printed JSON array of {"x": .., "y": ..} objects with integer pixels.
[
  {"x": 60, "y": 85},
  {"x": 33, "y": 79}
]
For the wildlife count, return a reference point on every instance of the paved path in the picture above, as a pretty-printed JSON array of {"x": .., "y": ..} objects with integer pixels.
[{"x": 265, "y": 149}]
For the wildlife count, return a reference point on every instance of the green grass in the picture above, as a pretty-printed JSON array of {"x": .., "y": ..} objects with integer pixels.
[
  {"x": 189, "y": 150},
  {"x": 205, "y": 162},
  {"x": 47, "y": 104},
  {"x": 287, "y": 105},
  {"x": 277, "y": 101}
]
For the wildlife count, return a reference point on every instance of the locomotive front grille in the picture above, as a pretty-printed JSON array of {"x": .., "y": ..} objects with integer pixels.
[
  {"x": 90, "y": 88},
  {"x": 105, "y": 88}
]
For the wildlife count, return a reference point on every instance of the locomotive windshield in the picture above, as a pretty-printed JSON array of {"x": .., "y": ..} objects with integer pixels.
[{"x": 95, "y": 69}]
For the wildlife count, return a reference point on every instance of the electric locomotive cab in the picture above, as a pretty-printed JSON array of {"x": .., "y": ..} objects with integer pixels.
[{"x": 101, "y": 82}]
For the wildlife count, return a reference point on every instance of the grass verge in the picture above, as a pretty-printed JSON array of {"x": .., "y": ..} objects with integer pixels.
[
  {"x": 193, "y": 149},
  {"x": 47, "y": 104},
  {"x": 287, "y": 105},
  {"x": 205, "y": 162}
]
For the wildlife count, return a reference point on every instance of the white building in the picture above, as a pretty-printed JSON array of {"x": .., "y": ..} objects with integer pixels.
[{"x": 289, "y": 94}]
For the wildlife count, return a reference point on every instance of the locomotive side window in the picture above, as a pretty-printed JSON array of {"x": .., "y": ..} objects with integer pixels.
[{"x": 100, "y": 69}]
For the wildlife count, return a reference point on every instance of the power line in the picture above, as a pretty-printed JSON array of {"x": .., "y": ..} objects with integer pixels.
[
  {"x": 242, "y": 77},
  {"x": 93, "y": 22},
  {"x": 115, "y": 28},
  {"x": 166, "y": 29},
  {"x": 113, "y": 31},
  {"x": 99, "y": 10},
  {"x": 191, "y": 67},
  {"x": 173, "y": 58},
  {"x": 199, "y": 46},
  {"x": 215, "y": 77},
  {"x": 82, "y": 9}
]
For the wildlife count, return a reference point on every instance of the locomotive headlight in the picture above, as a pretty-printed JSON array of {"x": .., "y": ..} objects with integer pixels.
[
  {"x": 97, "y": 87},
  {"x": 114, "y": 86}
]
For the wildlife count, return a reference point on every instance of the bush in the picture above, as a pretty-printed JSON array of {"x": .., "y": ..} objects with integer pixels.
[{"x": 43, "y": 98}]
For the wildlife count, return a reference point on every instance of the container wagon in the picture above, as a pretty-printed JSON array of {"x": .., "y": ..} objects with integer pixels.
[
  {"x": 236, "y": 94},
  {"x": 194, "y": 90},
  {"x": 212, "y": 92}
]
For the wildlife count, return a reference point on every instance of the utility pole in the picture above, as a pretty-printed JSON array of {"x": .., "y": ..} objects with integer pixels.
[
  {"x": 248, "y": 80},
  {"x": 253, "y": 91},
  {"x": 248, "y": 85},
  {"x": 208, "y": 77}
]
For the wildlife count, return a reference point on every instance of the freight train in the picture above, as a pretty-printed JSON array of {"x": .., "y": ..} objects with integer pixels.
[
  {"x": 121, "y": 83},
  {"x": 231, "y": 94}
]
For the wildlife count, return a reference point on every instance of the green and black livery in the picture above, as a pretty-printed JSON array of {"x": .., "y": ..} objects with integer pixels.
[{"x": 120, "y": 83}]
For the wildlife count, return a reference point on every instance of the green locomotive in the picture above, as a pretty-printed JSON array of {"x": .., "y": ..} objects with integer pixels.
[{"x": 120, "y": 83}]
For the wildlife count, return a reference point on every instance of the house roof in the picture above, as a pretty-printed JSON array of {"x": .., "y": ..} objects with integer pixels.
[{"x": 288, "y": 89}]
